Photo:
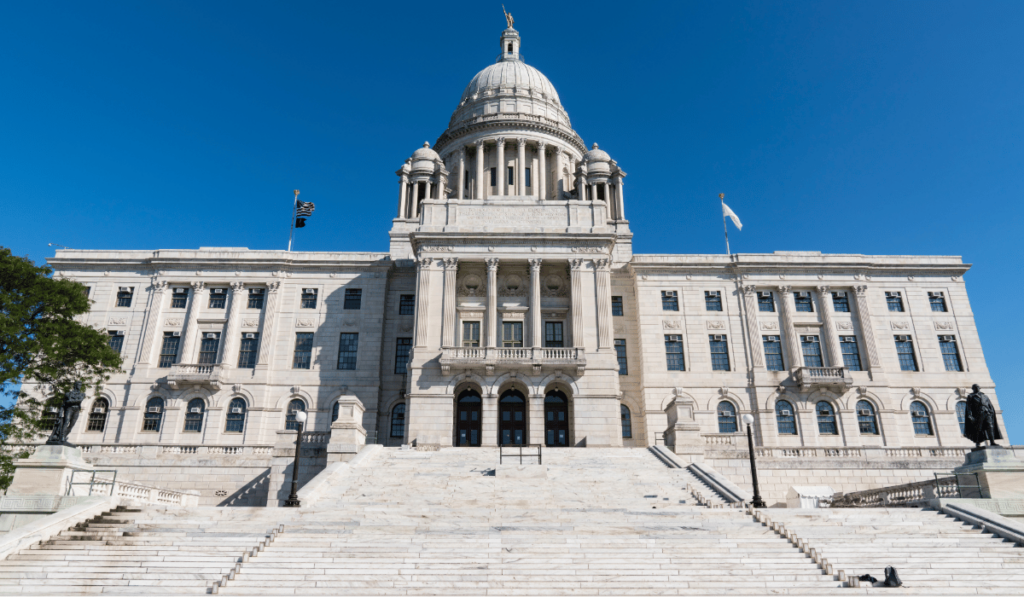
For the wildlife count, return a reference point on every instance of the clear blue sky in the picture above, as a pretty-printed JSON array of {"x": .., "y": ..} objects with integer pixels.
[{"x": 845, "y": 127}]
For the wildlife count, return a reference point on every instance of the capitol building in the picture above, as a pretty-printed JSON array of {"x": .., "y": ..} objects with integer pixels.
[{"x": 510, "y": 309}]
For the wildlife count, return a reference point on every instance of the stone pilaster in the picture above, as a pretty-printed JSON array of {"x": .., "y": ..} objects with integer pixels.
[
  {"x": 462, "y": 172},
  {"x": 828, "y": 319},
  {"x": 796, "y": 355},
  {"x": 867, "y": 329},
  {"x": 451, "y": 270},
  {"x": 753, "y": 334},
  {"x": 155, "y": 311},
  {"x": 478, "y": 191},
  {"x": 521, "y": 167},
  {"x": 557, "y": 192},
  {"x": 603, "y": 282},
  {"x": 502, "y": 169},
  {"x": 269, "y": 317},
  {"x": 422, "y": 299},
  {"x": 542, "y": 171},
  {"x": 228, "y": 357},
  {"x": 199, "y": 293},
  {"x": 492, "y": 302},
  {"x": 576, "y": 289},
  {"x": 620, "y": 209},
  {"x": 536, "y": 324}
]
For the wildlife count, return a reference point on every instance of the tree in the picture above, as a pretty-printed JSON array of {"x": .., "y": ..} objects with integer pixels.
[{"x": 41, "y": 342}]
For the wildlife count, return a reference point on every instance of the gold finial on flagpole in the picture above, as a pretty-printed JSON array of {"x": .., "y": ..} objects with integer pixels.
[
  {"x": 296, "y": 193},
  {"x": 720, "y": 195}
]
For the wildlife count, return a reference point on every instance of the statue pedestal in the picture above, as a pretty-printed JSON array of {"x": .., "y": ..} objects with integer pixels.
[
  {"x": 1000, "y": 474},
  {"x": 48, "y": 471},
  {"x": 347, "y": 434}
]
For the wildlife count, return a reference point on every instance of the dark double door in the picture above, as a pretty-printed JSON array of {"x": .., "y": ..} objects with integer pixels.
[
  {"x": 512, "y": 419},
  {"x": 556, "y": 420},
  {"x": 467, "y": 420}
]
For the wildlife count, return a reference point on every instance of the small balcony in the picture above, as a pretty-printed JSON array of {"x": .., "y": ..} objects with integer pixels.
[
  {"x": 184, "y": 374},
  {"x": 535, "y": 358},
  {"x": 816, "y": 377}
]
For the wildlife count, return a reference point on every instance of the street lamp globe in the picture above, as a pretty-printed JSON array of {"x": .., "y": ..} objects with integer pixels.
[
  {"x": 300, "y": 417},
  {"x": 748, "y": 419}
]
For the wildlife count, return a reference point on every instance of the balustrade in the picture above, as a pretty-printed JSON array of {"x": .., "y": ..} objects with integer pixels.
[
  {"x": 489, "y": 357},
  {"x": 811, "y": 377}
]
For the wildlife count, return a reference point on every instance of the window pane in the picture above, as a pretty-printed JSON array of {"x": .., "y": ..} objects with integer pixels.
[
  {"x": 826, "y": 419},
  {"x": 786, "y": 418},
  {"x": 627, "y": 424},
  {"x": 179, "y": 298},
  {"x": 617, "y": 306},
  {"x": 194, "y": 415},
  {"x": 866, "y": 418},
  {"x": 236, "y": 417},
  {"x": 303, "y": 351},
  {"x": 154, "y": 414},
  {"x": 812, "y": 351},
  {"x": 116, "y": 341},
  {"x": 294, "y": 406},
  {"x": 169, "y": 350},
  {"x": 961, "y": 415},
  {"x": 840, "y": 302},
  {"x": 407, "y": 304},
  {"x": 353, "y": 298},
  {"x": 208, "y": 348},
  {"x": 851, "y": 356},
  {"x": 124, "y": 297},
  {"x": 217, "y": 298},
  {"x": 402, "y": 346},
  {"x": 256, "y": 298},
  {"x": 674, "y": 353},
  {"x": 765, "y": 302},
  {"x": 713, "y": 300},
  {"x": 719, "y": 353},
  {"x": 471, "y": 334},
  {"x": 669, "y": 300},
  {"x": 98, "y": 415},
  {"x": 347, "y": 349},
  {"x": 247, "y": 351},
  {"x": 894, "y": 301},
  {"x": 950, "y": 356},
  {"x": 553, "y": 334},
  {"x": 803, "y": 302},
  {"x": 922, "y": 421},
  {"x": 620, "y": 353},
  {"x": 905, "y": 351},
  {"x": 308, "y": 298},
  {"x": 938, "y": 302},
  {"x": 512, "y": 334},
  {"x": 726, "y": 418},
  {"x": 773, "y": 353},
  {"x": 398, "y": 421}
]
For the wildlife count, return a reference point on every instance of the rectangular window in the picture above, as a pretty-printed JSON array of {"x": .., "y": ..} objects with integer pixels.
[
  {"x": 256, "y": 297},
  {"x": 553, "y": 337},
  {"x": 938, "y": 301},
  {"x": 894, "y": 301},
  {"x": 511, "y": 176},
  {"x": 773, "y": 353},
  {"x": 512, "y": 334},
  {"x": 803, "y": 302},
  {"x": 950, "y": 356},
  {"x": 208, "y": 348},
  {"x": 179, "y": 298},
  {"x": 248, "y": 350},
  {"x": 471, "y": 334},
  {"x": 402, "y": 347},
  {"x": 620, "y": 354},
  {"x": 765, "y": 302},
  {"x": 347, "y": 349},
  {"x": 811, "y": 346},
  {"x": 840, "y": 302},
  {"x": 124, "y": 296},
  {"x": 719, "y": 353},
  {"x": 353, "y": 299},
  {"x": 713, "y": 300},
  {"x": 674, "y": 352},
  {"x": 669, "y": 300},
  {"x": 407, "y": 304},
  {"x": 905, "y": 352},
  {"x": 617, "y": 306},
  {"x": 851, "y": 355},
  {"x": 529, "y": 182},
  {"x": 303, "y": 358},
  {"x": 218, "y": 297},
  {"x": 169, "y": 350},
  {"x": 494, "y": 177},
  {"x": 309, "y": 298},
  {"x": 116, "y": 340}
]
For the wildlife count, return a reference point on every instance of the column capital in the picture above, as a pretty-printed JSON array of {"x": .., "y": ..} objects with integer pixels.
[
  {"x": 273, "y": 286},
  {"x": 159, "y": 286},
  {"x": 576, "y": 264},
  {"x": 237, "y": 286},
  {"x": 521, "y": 141},
  {"x": 462, "y": 151},
  {"x": 603, "y": 265},
  {"x": 824, "y": 289},
  {"x": 749, "y": 289},
  {"x": 198, "y": 286},
  {"x": 541, "y": 145},
  {"x": 450, "y": 263},
  {"x": 479, "y": 143},
  {"x": 535, "y": 265},
  {"x": 860, "y": 290},
  {"x": 500, "y": 140},
  {"x": 492, "y": 264},
  {"x": 785, "y": 290},
  {"x": 425, "y": 262}
]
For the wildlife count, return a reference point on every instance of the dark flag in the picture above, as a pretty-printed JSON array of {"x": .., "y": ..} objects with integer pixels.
[{"x": 303, "y": 209}]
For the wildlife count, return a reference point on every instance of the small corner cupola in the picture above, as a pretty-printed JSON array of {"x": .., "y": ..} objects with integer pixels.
[{"x": 509, "y": 42}]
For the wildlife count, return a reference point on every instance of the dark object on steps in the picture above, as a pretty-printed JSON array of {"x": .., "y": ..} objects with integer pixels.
[
  {"x": 867, "y": 578},
  {"x": 891, "y": 578}
]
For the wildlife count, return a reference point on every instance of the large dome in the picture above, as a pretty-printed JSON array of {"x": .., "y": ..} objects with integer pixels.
[{"x": 510, "y": 73}]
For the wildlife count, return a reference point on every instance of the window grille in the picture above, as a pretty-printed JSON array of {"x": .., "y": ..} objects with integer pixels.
[
  {"x": 98, "y": 415},
  {"x": 765, "y": 302},
  {"x": 620, "y": 353},
  {"x": 674, "y": 352},
  {"x": 124, "y": 296},
  {"x": 553, "y": 334},
  {"x": 348, "y": 346},
  {"x": 494, "y": 177},
  {"x": 353, "y": 299},
  {"x": 826, "y": 419},
  {"x": 785, "y": 418},
  {"x": 303, "y": 358},
  {"x": 937, "y": 300},
  {"x": 471, "y": 334},
  {"x": 511, "y": 176},
  {"x": 803, "y": 302},
  {"x": 961, "y": 414},
  {"x": 529, "y": 181},
  {"x": 308, "y": 298},
  {"x": 851, "y": 355},
  {"x": 256, "y": 296},
  {"x": 719, "y": 352},
  {"x": 727, "y": 418},
  {"x": 235, "y": 422},
  {"x": 407, "y": 304},
  {"x": 398, "y": 421},
  {"x": 812, "y": 351},
  {"x": 512, "y": 334},
  {"x": 218, "y": 298},
  {"x": 617, "y": 306},
  {"x": 294, "y": 406},
  {"x": 154, "y": 414},
  {"x": 866, "y": 419},
  {"x": 402, "y": 346},
  {"x": 920, "y": 417},
  {"x": 627, "y": 422},
  {"x": 773, "y": 353},
  {"x": 248, "y": 350},
  {"x": 179, "y": 298},
  {"x": 950, "y": 355},
  {"x": 194, "y": 415},
  {"x": 905, "y": 352},
  {"x": 169, "y": 349},
  {"x": 208, "y": 348},
  {"x": 116, "y": 340},
  {"x": 840, "y": 302},
  {"x": 669, "y": 300},
  {"x": 894, "y": 300},
  {"x": 713, "y": 300}
]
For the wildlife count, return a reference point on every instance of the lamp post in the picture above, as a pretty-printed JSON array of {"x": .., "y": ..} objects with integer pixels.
[
  {"x": 748, "y": 419},
  {"x": 293, "y": 499}
]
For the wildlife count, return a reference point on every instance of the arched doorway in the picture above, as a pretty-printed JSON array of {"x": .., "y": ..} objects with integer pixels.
[
  {"x": 467, "y": 419},
  {"x": 556, "y": 419},
  {"x": 512, "y": 419}
]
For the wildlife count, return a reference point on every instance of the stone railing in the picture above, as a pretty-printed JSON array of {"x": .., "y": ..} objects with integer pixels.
[
  {"x": 106, "y": 483},
  {"x": 722, "y": 439},
  {"x": 909, "y": 494},
  {"x": 812, "y": 377},
  {"x": 196, "y": 450},
  {"x": 194, "y": 374},
  {"x": 488, "y": 358},
  {"x": 734, "y": 446}
]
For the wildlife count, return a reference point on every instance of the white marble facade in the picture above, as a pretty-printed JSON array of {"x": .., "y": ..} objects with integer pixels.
[{"x": 511, "y": 271}]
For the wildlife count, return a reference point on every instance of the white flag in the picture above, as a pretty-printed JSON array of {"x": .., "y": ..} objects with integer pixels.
[{"x": 726, "y": 212}]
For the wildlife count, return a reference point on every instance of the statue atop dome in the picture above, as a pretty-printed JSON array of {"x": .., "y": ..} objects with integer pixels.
[{"x": 508, "y": 16}]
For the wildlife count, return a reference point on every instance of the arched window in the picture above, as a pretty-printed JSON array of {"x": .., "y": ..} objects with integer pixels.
[
  {"x": 961, "y": 414},
  {"x": 826, "y": 419},
  {"x": 726, "y": 417},
  {"x": 510, "y": 48},
  {"x": 154, "y": 414},
  {"x": 922, "y": 420},
  {"x": 236, "y": 417},
  {"x": 334, "y": 411},
  {"x": 785, "y": 417},
  {"x": 294, "y": 406},
  {"x": 194, "y": 415},
  {"x": 49, "y": 418},
  {"x": 398, "y": 420},
  {"x": 627, "y": 423},
  {"x": 866, "y": 418},
  {"x": 98, "y": 415}
]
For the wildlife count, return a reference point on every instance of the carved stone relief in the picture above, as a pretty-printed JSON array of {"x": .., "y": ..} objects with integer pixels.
[
  {"x": 943, "y": 325},
  {"x": 671, "y": 324},
  {"x": 770, "y": 326},
  {"x": 900, "y": 325},
  {"x": 303, "y": 323},
  {"x": 716, "y": 324}
]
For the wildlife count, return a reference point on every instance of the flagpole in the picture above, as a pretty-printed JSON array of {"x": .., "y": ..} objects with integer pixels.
[
  {"x": 291, "y": 231},
  {"x": 721, "y": 197}
]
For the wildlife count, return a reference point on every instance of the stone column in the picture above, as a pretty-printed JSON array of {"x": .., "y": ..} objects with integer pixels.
[
  {"x": 415, "y": 200},
  {"x": 620, "y": 212},
  {"x": 422, "y": 298},
  {"x": 542, "y": 171},
  {"x": 402, "y": 196},
  {"x": 451, "y": 270},
  {"x": 557, "y": 192},
  {"x": 155, "y": 312},
  {"x": 867, "y": 329},
  {"x": 492, "y": 302},
  {"x": 576, "y": 288},
  {"x": 232, "y": 329},
  {"x": 462, "y": 172},
  {"x": 502, "y": 168},
  {"x": 753, "y": 334},
  {"x": 796, "y": 355},
  {"x": 593, "y": 192},
  {"x": 831, "y": 336},
  {"x": 521, "y": 167},
  {"x": 607, "y": 197},
  {"x": 536, "y": 326},
  {"x": 188, "y": 342},
  {"x": 604, "y": 303},
  {"x": 478, "y": 192},
  {"x": 267, "y": 325},
  {"x": 430, "y": 190}
]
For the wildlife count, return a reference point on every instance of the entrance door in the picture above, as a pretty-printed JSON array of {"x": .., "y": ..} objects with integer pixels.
[
  {"x": 467, "y": 420},
  {"x": 512, "y": 419},
  {"x": 556, "y": 420}
]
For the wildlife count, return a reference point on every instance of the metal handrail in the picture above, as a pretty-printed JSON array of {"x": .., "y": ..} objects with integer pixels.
[
  {"x": 92, "y": 480},
  {"x": 538, "y": 455},
  {"x": 975, "y": 490}
]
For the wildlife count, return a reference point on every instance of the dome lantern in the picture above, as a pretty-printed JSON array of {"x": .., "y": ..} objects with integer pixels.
[{"x": 509, "y": 45}]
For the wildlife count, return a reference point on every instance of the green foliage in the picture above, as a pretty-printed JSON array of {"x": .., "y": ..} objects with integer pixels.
[{"x": 41, "y": 342}]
